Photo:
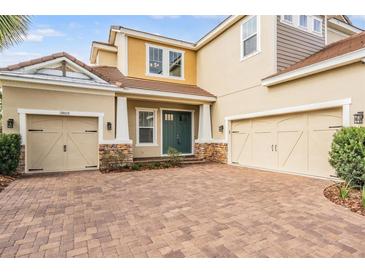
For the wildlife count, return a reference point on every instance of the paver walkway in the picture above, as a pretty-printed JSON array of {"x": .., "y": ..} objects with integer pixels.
[{"x": 208, "y": 210}]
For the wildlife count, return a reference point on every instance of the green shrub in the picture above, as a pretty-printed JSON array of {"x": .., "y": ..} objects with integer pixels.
[
  {"x": 10, "y": 145},
  {"x": 347, "y": 155},
  {"x": 136, "y": 166},
  {"x": 174, "y": 156},
  {"x": 363, "y": 196},
  {"x": 344, "y": 190}
]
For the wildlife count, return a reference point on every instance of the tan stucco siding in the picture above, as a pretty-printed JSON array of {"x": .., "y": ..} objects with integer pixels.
[
  {"x": 155, "y": 151},
  {"x": 32, "y": 98},
  {"x": 219, "y": 65},
  {"x": 137, "y": 62},
  {"x": 341, "y": 83},
  {"x": 335, "y": 35},
  {"x": 106, "y": 58}
]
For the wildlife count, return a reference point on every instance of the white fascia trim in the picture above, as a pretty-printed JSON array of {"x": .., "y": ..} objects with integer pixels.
[
  {"x": 69, "y": 62},
  {"x": 156, "y": 38},
  {"x": 60, "y": 112},
  {"x": 20, "y": 78},
  {"x": 344, "y": 25},
  {"x": 294, "y": 109},
  {"x": 315, "y": 68},
  {"x": 167, "y": 94}
]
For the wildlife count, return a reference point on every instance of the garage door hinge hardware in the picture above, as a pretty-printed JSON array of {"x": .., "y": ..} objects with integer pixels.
[
  {"x": 35, "y": 129},
  {"x": 335, "y": 127},
  {"x": 91, "y": 131},
  {"x": 90, "y": 166},
  {"x": 35, "y": 169}
]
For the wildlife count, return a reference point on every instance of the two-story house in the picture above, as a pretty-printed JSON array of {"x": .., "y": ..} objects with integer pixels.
[{"x": 259, "y": 91}]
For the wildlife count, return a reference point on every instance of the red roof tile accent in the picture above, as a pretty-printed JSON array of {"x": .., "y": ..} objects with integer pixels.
[
  {"x": 130, "y": 82},
  {"x": 341, "y": 47}
]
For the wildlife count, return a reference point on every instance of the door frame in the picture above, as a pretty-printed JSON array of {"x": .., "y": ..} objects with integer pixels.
[
  {"x": 346, "y": 121},
  {"x": 23, "y": 126},
  {"x": 192, "y": 111}
]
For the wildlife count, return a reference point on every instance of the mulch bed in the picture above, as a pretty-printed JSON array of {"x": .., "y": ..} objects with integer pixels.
[
  {"x": 5, "y": 181},
  {"x": 353, "y": 201}
]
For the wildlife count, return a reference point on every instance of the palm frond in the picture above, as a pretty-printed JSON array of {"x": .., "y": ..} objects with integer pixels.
[{"x": 13, "y": 29}]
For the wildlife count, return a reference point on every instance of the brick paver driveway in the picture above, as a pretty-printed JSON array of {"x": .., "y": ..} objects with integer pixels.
[{"x": 198, "y": 211}]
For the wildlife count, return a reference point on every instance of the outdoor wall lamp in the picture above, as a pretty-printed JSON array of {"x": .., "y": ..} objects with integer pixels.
[
  {"x": 10, "y": 123},
  {"x": 358, "y": 118},
  {"x": 109, "y": 125}
]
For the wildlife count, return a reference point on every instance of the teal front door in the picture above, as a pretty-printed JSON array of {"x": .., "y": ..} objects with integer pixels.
[{"x": 176, "y": 131}]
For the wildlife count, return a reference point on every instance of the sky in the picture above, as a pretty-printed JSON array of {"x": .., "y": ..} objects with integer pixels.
[{"x": 74, "y": 34}]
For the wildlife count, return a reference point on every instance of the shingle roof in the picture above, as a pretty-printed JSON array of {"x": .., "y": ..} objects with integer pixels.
[
  {"x": 115, "y": 77},
  {"x": 119, "y": 79},
  {"x": 341, "y": 47}
]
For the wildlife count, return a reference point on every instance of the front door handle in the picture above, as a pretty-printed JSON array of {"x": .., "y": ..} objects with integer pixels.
[{"x": 64, "y": 148}]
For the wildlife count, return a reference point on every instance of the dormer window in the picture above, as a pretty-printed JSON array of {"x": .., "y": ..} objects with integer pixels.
[
  {"x": 164, "y": 62},
  {"x": 317, "y": 25},
  {"x": 288, "y": 19}
]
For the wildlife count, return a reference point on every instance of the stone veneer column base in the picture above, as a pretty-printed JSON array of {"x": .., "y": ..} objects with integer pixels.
[
  {"x": 215, "y": 152},
  {"x": 115, "y": 156},
  {"x": 21, "y": 166}
]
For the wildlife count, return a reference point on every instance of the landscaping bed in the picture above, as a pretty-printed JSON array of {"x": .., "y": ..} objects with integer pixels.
[
  {"x": 5, "y": 181},
  {"x": 353, "y": 201}
]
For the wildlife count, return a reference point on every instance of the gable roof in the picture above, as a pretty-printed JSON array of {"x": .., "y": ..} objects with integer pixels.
[
  {"x": 342, "y": 48},
  {"x": 117, "y": 78}
]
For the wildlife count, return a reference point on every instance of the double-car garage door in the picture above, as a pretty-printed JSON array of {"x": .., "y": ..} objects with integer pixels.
[
  {"x": 297, "y": 143},
  {"x": 61, "y": 143}
]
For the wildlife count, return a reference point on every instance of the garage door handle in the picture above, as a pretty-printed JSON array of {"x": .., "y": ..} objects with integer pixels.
[
  {"x": 272, "y": 147},
  {"x": 276, "y": 147},
  {"x": 64, "y": 148}
]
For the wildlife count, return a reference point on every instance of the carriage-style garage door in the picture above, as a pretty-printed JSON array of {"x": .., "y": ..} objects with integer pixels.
[
  {"x": 59, "y": 143},
  {"x": 293, "y": 142}
]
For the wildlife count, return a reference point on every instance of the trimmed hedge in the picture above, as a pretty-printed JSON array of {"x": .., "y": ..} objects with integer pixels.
[
  {"x": 347, "y": 155},
  {"x": 10, "y": 146}
]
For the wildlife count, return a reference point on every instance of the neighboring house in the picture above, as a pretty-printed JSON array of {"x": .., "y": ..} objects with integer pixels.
[{"x": 258, "y": 91}]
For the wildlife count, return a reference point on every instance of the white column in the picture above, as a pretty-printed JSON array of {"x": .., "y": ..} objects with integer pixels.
[
  {"x": 122, "y": 120},
  {"x": 205, "y": 128}
]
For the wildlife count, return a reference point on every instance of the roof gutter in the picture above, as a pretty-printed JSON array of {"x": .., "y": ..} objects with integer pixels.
[{"x": 332, "y": 63}]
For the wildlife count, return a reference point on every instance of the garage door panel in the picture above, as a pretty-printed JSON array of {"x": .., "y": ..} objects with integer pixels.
[
  {"x": 57, "y": 143},
  {"x": 242, "y": 143},
  {"x": 262, "y": 150}
]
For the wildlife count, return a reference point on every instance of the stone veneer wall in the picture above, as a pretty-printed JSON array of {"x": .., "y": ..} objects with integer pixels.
[
  {"x": 21, "y": 166},
  {"x": 215, "y": 152},
  {"x": 115, "y": 156}
]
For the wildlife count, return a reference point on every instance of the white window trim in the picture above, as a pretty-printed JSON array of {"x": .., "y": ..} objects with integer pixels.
[
  {"x": 154, "y": 110},
  {"x": 310, "y": 24},
  {"x": 258, "y": 35},
  {"x": 165, "y": 62}
]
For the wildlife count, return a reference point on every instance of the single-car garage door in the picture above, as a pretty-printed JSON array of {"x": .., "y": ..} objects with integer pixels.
[
  {"x": 296, "y": 143},
  {"x": 61, "y": 143}
]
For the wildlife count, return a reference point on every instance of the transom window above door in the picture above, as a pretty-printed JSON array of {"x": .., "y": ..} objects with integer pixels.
[
  {"x": 164, "y": 62},
  {"x": 250, "y": 37}
]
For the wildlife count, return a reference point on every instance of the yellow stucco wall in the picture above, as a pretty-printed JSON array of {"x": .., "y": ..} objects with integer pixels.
[
  {"x": 137, "y": 62},
  {"x": 106, "y": 58},
  {"x": 39, "y": 98}
]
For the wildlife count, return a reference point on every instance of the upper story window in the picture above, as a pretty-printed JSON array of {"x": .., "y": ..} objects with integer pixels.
[
  {"x": 165, "y": 62},
  {"x": 250, "y": 37},
  {"x": 309, "y": 23},
  {"x": 303, "y": 21},
  {"x": 288, "y": 18}
]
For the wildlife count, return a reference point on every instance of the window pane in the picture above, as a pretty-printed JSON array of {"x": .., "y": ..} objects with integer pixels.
[
  {"x": 145, "y": 119},
  {"x": 288, "y": 18},
  {"x": 250, "y": 45},
  {"x": 317, "y": 25},
  {"x": 175, "y": 63},
  {"x": 249, "y": 28},
  {"x": 155, "y": 63},
  {"x": 303, "y": 21},
  {"x": 146, "y": 135}
]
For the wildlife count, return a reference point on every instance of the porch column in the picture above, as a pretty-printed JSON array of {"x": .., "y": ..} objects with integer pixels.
[
  {"x": 205, "y": 128},
  {"x": 122, "y": 133}
]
